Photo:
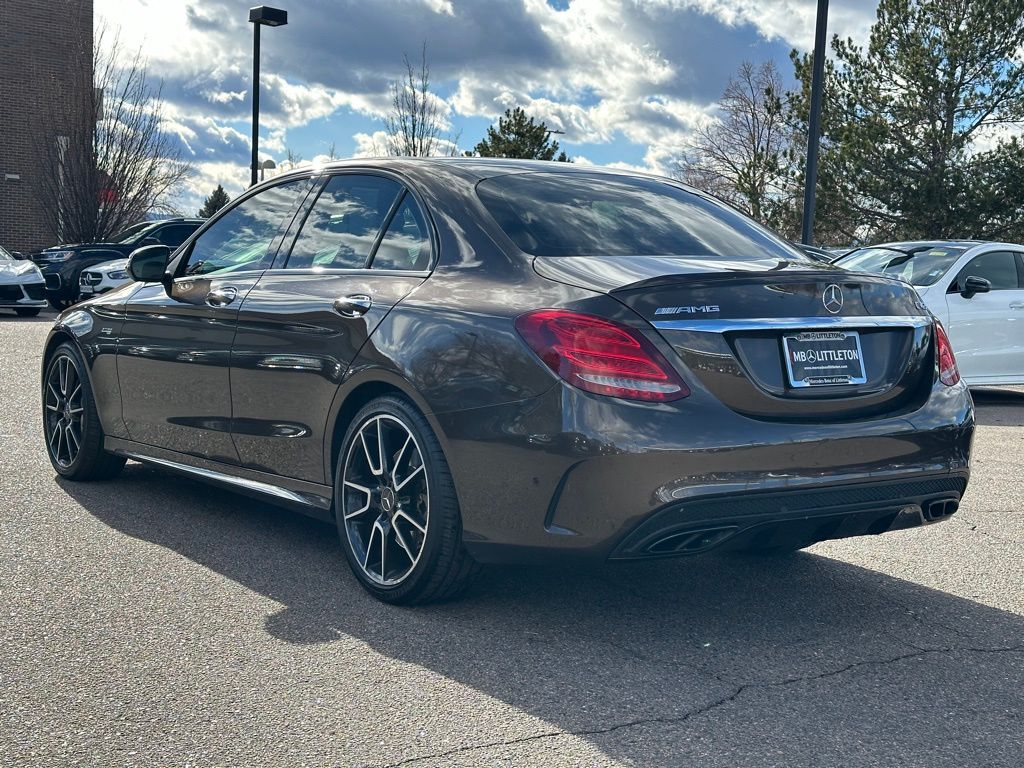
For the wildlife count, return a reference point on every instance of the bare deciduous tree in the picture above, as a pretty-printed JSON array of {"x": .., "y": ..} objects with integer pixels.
[
  {"x": 112, "y": 162},
  {"x": 743, "y": 157},
  {"x": 292, "y": 160},
  {"x": 416, "y": 119}
]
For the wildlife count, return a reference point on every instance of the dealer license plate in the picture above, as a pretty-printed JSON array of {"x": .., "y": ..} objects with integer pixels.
[{"x": 823, "y": 358}]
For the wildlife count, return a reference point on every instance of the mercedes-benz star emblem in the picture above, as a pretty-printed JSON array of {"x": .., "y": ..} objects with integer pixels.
[
  {"x": 832, "y": 298},
  {"x": 387, "y": 500}
]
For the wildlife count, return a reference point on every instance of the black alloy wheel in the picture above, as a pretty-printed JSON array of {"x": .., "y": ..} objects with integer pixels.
[
  {"x": 74, "y": 436},
  {"x": 396, "y": 509}
]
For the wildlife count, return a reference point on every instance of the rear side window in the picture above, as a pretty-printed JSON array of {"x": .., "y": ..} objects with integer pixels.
[
  {"x": 406, "y": 244},
  {"x": 999, "y": 268},
  {"x": 241, "y": 239},
  {"x": 344, "y": 223},
  {"x": 584, "y": 214}
]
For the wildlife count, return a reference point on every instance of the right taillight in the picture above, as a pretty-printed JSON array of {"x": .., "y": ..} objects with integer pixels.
[
  {"x": 948, "y": 373},
  {"x": 600, "y": 356}
]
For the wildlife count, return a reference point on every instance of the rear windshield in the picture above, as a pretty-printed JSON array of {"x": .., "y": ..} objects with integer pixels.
[
  {"x": 594, "y": 214},
  {"x": 916, "y": 265}
]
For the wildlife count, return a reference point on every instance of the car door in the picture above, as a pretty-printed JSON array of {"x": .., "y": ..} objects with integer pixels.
[
  {"x": 174, "y": 353},
  {"x": 363, "y": 246},
  {"x": 987, "y": 329}
]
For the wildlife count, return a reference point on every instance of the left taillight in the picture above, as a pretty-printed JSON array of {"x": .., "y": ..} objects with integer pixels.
[
  {"x": 600, "y": 356},
  {"x": 948, "y": 372}
]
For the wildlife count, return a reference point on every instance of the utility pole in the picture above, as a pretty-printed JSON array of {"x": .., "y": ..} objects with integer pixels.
[{"x": 814, "y": 123}]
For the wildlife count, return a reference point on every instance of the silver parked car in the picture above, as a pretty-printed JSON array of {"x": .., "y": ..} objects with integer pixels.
[{"x": 22, "y": 287}]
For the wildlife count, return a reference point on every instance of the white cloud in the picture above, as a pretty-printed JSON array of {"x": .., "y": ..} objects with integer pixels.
[
  {"x": 991, "y": 136},
  {"x": 603, "y": 71},
  {"x": 441, "y": 6},
  {"x": 790, "y": 20}
]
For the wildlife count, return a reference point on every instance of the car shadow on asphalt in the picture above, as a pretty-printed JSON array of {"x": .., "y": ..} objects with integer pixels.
[
  {"x": 719, "y": 653},
  {"x": 999, "y": 407}
]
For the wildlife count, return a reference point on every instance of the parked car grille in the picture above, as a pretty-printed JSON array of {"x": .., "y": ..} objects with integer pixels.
[
  {"x": 91, "y": 278},
  {"x": 36, "y": 291},
  {"x": 10, "y": 292},
  {"x": 53, "y": 282}
]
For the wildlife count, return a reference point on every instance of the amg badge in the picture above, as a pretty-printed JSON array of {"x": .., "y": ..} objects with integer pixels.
[{"x": 693, "y": 310}]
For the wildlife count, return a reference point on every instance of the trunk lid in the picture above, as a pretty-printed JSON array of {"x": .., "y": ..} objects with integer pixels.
[{"x": 745, "y": 330}]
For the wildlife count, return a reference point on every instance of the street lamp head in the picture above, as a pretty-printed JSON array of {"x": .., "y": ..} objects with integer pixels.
[
  {"x": 269, "y": 17},
  {"x": 268, "y": 164}
]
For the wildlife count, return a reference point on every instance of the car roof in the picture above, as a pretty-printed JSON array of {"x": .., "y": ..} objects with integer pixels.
[
  {"x": 469, "y": 168},
  {"x": 906, "y": 245}
]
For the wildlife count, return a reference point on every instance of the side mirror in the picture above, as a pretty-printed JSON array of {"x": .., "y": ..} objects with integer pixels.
[
  {"x": 147, "y": 264},
  {"x": 150, "y": 241},
  {"x": 973, "y": 285}
]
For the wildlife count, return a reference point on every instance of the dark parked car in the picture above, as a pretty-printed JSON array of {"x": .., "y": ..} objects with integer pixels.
[
  {"x": 815, "y": 253},
  {"x": 462, "y": 361},
  {"x": 62, "y": 265}
]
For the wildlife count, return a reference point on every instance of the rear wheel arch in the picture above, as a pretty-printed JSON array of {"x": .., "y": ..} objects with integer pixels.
[{"x": 357, "y": 392}]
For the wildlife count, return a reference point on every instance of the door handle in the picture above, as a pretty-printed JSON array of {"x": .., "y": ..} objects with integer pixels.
[
  {"x": 356, "y": 305},
  {"x": 1017, "y": 305},
  {"x": 221, "y": 297}
]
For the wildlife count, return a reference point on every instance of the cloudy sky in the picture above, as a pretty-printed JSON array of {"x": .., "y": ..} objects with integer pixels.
[{"x": 626, "y": 80}]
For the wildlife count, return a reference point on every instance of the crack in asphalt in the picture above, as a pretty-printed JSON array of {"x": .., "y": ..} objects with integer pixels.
[
  {"x": 977, "y": 528},
  {"x": 704, "y": 708}
]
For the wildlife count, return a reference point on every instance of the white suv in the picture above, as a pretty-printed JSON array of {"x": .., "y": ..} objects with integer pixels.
[{"x": 104, "y": 277}]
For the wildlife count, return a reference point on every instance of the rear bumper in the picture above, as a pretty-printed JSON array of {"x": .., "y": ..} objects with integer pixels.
[
  {"x": 570, "y": 474},
  {"x": 793, "y": 518}
]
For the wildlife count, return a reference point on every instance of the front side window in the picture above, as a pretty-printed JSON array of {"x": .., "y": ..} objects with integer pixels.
[
  {"x": 597, "y": 214},
  {"x": 241, "y": 238},
  {"x": 999, "y": 268},
  {"x": 406, "y": 244},
  {"x": 344, "y": 223}
]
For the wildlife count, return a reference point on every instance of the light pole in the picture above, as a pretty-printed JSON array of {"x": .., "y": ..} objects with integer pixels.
[
  {"x": 814, "y": 122},
  {"x": 266, "y": 165},
  {"x": 261, "y": 15}
]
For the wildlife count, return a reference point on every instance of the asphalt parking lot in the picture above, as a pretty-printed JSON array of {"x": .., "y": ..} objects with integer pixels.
[{"x": 156, "y": 621}]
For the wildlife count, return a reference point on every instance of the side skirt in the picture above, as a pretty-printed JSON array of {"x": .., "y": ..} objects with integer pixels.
[{"x": 310, "y": 499}]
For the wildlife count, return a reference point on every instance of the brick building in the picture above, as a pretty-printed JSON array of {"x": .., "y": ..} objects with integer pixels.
[{"x": 45, "y": 61}]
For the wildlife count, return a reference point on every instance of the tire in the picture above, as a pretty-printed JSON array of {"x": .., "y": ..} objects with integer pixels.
[
  {"x": 70, "y": 420},
  {"x": 27, "y": 312},
  {"x": 58, "y": 303},
  {"x": 396, "y": 498}
]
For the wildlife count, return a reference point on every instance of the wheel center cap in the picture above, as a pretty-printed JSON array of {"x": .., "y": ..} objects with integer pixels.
[
  {"x": 387, "y": 500},
  {"x": 67, "y": 411}
]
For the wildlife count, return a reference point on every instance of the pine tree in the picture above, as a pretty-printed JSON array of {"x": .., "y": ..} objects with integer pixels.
[
  {"x": 217, "y": 200},
  {"x": 520, "y": 136},
  {"x": 914, "y": 126}
]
